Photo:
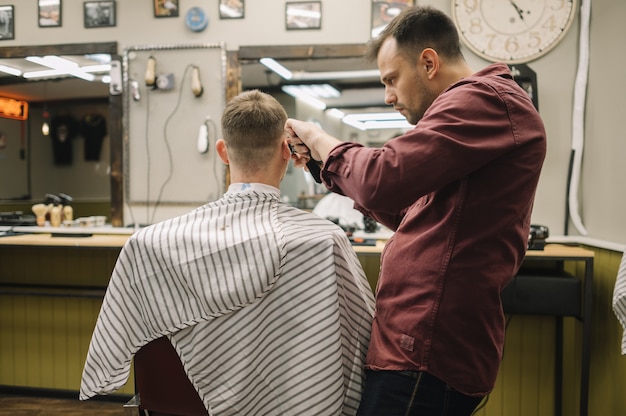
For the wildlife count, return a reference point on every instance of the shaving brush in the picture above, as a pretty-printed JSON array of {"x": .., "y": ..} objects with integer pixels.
[{"x": 40, "y": 211}]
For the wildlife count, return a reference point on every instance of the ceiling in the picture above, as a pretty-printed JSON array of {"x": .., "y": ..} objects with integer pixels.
[
  {"x": 362, "y": 93},
  {"x": 357, "y": 92},
  {"x": 59, "y": 87}
]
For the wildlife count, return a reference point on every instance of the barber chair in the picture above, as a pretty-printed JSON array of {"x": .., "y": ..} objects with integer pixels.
[{"x": 163, "y": 388}]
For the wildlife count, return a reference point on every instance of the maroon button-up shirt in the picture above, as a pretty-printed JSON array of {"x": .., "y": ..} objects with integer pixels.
[{"x": 458, "y": 191}]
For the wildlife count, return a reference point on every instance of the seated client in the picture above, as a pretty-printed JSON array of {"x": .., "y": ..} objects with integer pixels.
[{"x": 266, "y": 305}]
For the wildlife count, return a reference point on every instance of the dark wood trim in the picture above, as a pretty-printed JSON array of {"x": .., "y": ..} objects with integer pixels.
[
  {"x": 116, "y": 141},
  {"x": 62, "y": 49},
  {"x": 301, "y": 51}
]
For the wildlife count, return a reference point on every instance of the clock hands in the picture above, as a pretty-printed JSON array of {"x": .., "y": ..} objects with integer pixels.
[{"x": 519, "y": 11}]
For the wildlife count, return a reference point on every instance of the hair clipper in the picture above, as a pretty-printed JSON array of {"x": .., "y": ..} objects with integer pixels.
[{"x": 312, "y": 165}]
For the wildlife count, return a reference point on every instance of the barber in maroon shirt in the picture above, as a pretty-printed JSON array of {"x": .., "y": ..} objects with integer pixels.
[{"x": 458, "y": 191}]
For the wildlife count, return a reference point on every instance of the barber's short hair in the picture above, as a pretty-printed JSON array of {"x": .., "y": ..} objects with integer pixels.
[
  {"x": 252, "y": 124},
  {"x": 417, "y": 28}
]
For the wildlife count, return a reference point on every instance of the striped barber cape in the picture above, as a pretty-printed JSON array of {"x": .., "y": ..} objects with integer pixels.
[{"x": 267, "y": 306}]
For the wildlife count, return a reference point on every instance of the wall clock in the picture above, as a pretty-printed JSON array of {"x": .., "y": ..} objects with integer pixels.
[{"x": 513, "y": 31}]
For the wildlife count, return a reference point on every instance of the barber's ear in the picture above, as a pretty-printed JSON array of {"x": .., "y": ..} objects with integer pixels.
[
  {"x": 222, "y": 150},
  {"x": 429, "y": 60}
]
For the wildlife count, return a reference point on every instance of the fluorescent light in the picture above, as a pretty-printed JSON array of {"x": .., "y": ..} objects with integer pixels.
[
  {"x": 335, "y": 113},
  {"x": 288, "y": 75},
  {"x": 313, "y": 90},
  {"x": 376, "y": 121},
  {"x": 335, "y": 75},
  {"x": 61, "y": 64},
  {"x": 277, "y": 68},
  {"x": 43, "y": 73},
  {"x": 302, "y": 94},
  {"x": 11, "y": 71},
  {"x": 96, "y": 68}
]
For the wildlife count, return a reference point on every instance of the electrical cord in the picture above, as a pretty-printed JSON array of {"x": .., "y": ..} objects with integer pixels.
[
  {"x": 167, "y": 145},
  {"x": 213, "y": 128}
]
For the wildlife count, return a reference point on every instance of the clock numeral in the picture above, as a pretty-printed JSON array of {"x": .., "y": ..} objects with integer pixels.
[
  {"x": 561, "y": 4},
  {"x": 535, "y": 40},
  {"x": 511, "y": 45},
  {"x": 471, "y": 5},
  {"x": 476, "y": 25},
  {"x": 550, "y": 24}
]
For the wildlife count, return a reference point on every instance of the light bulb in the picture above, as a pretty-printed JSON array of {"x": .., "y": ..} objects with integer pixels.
[{"x": 45, "y": 128}]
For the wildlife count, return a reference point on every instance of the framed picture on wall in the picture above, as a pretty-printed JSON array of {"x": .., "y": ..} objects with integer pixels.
[
  {"x": 165, "y": 8},
  {"x": 49, "y": 13},
  {"x": 232, "y": 9},
  {"x": 7, "y": 23},
  {"x": 385, "y": 10},
  {"x": 99, "y": 13},
  {"x": 302, "y": 15}
]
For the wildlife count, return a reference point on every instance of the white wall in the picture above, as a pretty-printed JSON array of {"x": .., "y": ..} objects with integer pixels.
[{"x": 603, "y": 200}]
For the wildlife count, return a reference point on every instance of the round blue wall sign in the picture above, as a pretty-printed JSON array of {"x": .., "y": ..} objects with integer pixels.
[{"x": 196, "y": 19}]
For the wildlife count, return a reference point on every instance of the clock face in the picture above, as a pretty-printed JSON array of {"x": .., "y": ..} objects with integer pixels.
[{"x": 513, "y": 31}]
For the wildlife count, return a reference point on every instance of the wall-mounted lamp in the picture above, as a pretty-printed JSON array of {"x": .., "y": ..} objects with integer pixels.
[{"x": 45, "y": 126}]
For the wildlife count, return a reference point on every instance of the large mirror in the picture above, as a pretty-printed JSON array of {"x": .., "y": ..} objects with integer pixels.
[
  {"x": 331, "y": 84},
  {"x": 67, "y": 142}
]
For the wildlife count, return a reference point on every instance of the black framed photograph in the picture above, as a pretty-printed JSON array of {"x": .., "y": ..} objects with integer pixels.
[
  {"x": 166, "y": 8},
  {"x": 7, "y": 22},
  {"x": 49, "y": 13},
  {"x": 232, "y": 9},
  {"x": 384, "y": 11},
  {"x": 99, "y": 13},
  {"x": 303, "y": 15}
]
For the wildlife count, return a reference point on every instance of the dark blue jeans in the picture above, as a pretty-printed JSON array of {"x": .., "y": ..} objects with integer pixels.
[{"x": 412, "y": 393}]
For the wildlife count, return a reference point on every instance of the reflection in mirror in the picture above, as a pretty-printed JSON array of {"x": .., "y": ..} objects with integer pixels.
[{"x": 63, "y": 98}]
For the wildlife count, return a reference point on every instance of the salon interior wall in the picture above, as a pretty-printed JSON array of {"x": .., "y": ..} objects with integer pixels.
[{"x": 602, "y": 195}]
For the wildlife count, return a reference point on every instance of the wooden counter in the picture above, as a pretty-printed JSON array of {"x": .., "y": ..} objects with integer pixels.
[
  {"x": 51, "y": 240},
  {"x": 51, "y": 291}
]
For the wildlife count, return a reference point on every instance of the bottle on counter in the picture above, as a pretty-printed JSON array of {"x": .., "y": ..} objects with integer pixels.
[
  {"x": 51, "y": 201},
  {"x": 67, "y": 213},
  {"x": 55, "y": 215}
]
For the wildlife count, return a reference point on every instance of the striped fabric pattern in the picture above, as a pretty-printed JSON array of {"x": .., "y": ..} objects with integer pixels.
[
  {"x": 619, "y": 299},
  {"x": 267, "y": 306}
]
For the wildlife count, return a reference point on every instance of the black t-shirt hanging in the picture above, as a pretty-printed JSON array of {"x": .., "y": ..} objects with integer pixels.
[
  {"x": 62, "y": 130},
  {"x": 94, "y": 129}
]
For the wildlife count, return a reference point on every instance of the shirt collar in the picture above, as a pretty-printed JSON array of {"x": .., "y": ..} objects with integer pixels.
[{"x": 243, "y": 187}]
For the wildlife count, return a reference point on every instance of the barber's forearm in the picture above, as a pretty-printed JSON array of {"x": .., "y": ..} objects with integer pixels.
[{"x": 322, "y": 145}]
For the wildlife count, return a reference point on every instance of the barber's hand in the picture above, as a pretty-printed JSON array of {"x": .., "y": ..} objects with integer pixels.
[
  {"x": 302, "y": 138},
  {"x": 300, "y": 158}
]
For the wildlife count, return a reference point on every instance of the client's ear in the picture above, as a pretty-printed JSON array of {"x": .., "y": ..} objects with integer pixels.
[
  {"x": 222, "y": 150},
  {"x": 285, "y": 149}
]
